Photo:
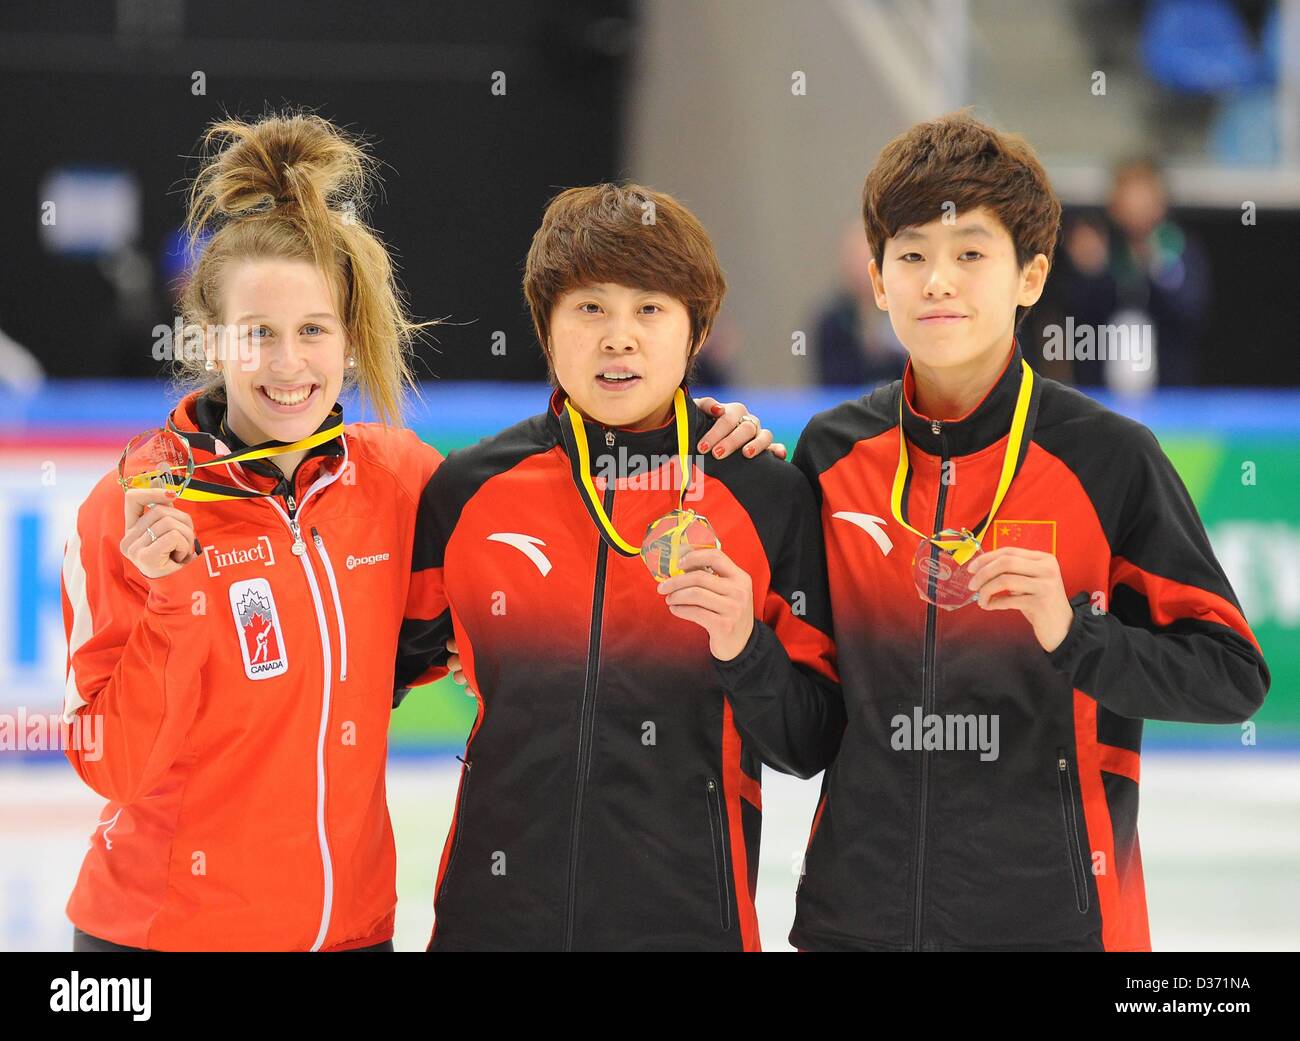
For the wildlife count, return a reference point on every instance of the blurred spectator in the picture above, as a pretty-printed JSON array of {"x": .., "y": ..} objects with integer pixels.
[
  {"x": 853, "y": 342},
  {"x": 1138, "y": 268},
  {"x": 715, "y": 366}
]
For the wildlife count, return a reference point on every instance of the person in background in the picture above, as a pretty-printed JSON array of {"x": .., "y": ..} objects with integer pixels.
[
  {"x": 1138, "y": 268},
  {"x": 853, "y": 342},
  {"x": 715, "y": 365}
]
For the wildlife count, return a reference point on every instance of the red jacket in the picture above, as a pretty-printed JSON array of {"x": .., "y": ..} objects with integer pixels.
[{"x": 245, "y": 703}]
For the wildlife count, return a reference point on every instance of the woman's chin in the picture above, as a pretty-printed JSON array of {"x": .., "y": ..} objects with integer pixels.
[
  {"x": 622, "y": 412},
  {"x": 291, "y": 428}
]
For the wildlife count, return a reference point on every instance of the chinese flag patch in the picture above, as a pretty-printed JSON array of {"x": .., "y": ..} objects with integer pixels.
[{"x": 1028, "y": 534}]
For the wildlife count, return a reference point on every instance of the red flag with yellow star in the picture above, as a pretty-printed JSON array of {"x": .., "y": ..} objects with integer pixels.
[{"x": 1028, "y": 534}]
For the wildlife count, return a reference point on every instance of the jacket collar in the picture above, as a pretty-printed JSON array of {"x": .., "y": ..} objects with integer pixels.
[
  {"x": 629, "y": 446},
  {"x": 202, "y": 419},
  {"x": 984, "y": 425}
]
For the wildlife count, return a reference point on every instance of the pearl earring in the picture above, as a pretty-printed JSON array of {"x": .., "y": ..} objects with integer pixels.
[
  {"x": 210, "y": 365},
  {"x": 352, "y": 363}
]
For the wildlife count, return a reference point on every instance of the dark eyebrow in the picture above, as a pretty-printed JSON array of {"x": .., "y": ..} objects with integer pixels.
[
  {"x": 596, "y": 290},
  {"x": 914, "y": 235}
]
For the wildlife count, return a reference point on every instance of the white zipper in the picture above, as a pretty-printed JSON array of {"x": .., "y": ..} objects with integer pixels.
[
  {"x": 327, "y": 662},
  {"x": 326, "y": 862},
  {"x": 338, "y": 604}
]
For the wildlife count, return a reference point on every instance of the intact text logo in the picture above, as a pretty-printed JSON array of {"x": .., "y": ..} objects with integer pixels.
[{"x": 258, "y": 553}]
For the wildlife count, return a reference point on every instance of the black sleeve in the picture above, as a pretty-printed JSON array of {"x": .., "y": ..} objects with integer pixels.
[
  {"x": 426, "y": 624},
  {"x": 783, "y": 686},
  {"x": 1172, "y": 643}
]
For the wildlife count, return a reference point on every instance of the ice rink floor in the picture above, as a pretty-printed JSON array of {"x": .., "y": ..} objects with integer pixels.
[{"x": 1220, "y": 847}]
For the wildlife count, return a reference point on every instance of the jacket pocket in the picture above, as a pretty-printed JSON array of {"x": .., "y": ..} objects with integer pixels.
[
  {"x": 718, "y": 834},
  {"x": 461, "y": 796},
  {"x": 1073, "y": 848}
]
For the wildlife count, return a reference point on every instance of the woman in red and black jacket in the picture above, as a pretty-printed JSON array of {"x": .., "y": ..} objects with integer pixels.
[{"x": 610, "y": 796}]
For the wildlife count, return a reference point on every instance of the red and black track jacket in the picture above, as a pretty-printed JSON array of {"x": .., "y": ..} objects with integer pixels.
[
  {"x": 915, "y": 848},
  {"x": 610, "y": 794}
]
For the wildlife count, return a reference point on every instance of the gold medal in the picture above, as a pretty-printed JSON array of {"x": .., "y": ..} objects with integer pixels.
[{"x": 671, "y": 537}]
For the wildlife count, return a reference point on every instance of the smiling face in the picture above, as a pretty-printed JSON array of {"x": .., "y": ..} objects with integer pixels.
[
  {"x": 290, "y": 363},
  {"x": 951, "y": 290},
  {"x": 620, "y": 353}
]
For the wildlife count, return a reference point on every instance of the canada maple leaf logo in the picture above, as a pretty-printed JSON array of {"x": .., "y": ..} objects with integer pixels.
[{"x": 254, "y": 613}]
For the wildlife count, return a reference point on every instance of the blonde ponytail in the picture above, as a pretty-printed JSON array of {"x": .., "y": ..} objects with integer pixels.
[{"x": 293, "y": 186}]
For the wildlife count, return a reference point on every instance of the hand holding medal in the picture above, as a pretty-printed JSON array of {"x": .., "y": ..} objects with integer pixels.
[
  {"x": 1028, "y": 581},
  {"x": 157, "y": 467},
  {"x": 942, "y": 564},
  {"x": 715, "y": 593},
  {"x": 950, "y": 569},
  {"x": 681, "y": 550},
  {"x": 154, "y": 469}
]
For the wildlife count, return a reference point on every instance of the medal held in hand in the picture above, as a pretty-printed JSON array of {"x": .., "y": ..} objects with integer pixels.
[
  {"x": 939, "y": 565},
  {"x": 671, "y": 537},
  {"x": 156, "y": 459},
  {"x": 939, "y": 576},
  {"x": 164, "y": 459}
]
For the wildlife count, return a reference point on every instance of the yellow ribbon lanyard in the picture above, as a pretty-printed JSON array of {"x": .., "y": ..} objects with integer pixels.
[
  {"x": 962, "y": 549},
  {"x": 206, "y": 491},
  {"x": 581, "y": 463}
]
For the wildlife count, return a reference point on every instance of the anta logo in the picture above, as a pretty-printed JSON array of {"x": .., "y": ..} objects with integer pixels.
[
  {"x": 258, "y": 553},
  {"x": 373, "y": 558},
  {"x": 261, "y": 640},
  {"x": 872, "y": 525},
  {"x": 527, "y": 545}
]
